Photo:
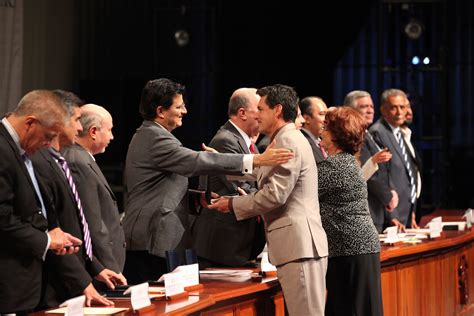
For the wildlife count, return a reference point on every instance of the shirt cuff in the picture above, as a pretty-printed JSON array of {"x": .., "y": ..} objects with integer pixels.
[
  {"x": 47, "y": 246},
  {"x": 247, "y": 165}
]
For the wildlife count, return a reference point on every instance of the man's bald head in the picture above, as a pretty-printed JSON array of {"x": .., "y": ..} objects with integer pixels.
[
  {"x": 243, "y": 110},
  {"x": 97, "y": 128}
]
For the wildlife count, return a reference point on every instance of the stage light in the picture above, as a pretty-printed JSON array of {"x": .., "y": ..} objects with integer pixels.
[
  {"x": 414, "y": 29},
  {"x": 415, "y": 60},
  {"x": 426, "y": 60}
]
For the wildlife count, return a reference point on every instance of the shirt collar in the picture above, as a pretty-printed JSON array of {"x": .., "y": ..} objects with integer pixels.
[{"x": 243, "y": 134}]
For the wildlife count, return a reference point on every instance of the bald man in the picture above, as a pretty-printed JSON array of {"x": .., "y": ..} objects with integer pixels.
[
  {"x": 219, "y": 239},
  {"x": 98, "y": 199}
]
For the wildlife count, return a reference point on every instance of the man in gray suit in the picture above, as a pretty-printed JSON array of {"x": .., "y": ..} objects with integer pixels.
[
  {"x": 403, "y": 168},
  {"x": 374, "y": 157},
  {"x": 314, "y": 111},
  {"x": 156, "y": 184},
  {"x": 98, "y": 199},
  {"x": 219, "y": 239},
  {"x": 288, "y": 201}
]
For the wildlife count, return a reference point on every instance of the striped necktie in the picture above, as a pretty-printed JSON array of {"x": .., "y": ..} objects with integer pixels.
[
  {"x": 408, "y": 167},
  {"x": 85, "y": 227}
]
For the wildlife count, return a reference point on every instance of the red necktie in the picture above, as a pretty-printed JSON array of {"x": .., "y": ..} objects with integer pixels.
[{"x": 252, "y": 148}]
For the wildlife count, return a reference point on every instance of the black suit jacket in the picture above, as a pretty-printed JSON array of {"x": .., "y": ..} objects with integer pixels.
[
  {"x": 317, "y": 153},
  {"x": 67, "y": 276},
  {"x": 397, "y": 170},
  {"x": 378, "y": 186},
  {"x": 100, "y": 208},
  {"x": 22, "y": 232},
  {"x": 219, "y": 237}
]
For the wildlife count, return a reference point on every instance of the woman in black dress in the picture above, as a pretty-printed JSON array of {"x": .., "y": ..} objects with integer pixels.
[{"x": 353, "y": 275}]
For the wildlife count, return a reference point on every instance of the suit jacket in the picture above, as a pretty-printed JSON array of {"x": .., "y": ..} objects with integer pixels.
[
  {"x": 67, "y": 276},
  {"x": 22, "y": 232},
  {"x": 317, "y": 153},
  {"x": 378, "y": 186},
  {"x": 219, "y": 237},
  {"x": 157, "y": 166},
  {"x": 288, "y": 202},
  {"x": 396, "y": 170},
  {"x": 100, "y": 208}
]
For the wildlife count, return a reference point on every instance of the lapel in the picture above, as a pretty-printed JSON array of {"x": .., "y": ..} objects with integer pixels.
[
  {"x": 58, "y": 172},
  {"x": 314, "y": 147},
  {"x": 240, "y": 140},
  {"x": 20, "y": 161},
  {"x": 393, "y": 141},
  {"x": 93, "y": 165}
]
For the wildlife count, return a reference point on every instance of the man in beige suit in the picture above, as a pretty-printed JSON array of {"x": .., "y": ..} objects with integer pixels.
[{"x": 288, "y": 196}]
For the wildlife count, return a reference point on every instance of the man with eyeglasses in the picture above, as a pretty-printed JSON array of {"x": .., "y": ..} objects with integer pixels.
[{"x": 156, "y": 181}]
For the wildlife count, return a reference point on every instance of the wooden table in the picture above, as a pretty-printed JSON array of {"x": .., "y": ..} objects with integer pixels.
[{"x": 425, "y": 279}]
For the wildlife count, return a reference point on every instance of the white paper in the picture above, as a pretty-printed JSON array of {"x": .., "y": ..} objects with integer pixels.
[
  {"x": 392, "y": 234},
  {"x": 139, "y": 297},
  {"x": 74, "y": 306},
  {"x": 174, "y": 283},
  {"x": 265, "y": 264},
  {"x": 190, "y": 274}
]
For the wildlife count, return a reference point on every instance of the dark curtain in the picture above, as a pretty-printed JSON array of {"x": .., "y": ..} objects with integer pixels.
[{"x": 440, "y": 89}]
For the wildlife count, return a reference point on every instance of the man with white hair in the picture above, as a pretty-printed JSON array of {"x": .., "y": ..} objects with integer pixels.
[{"x": 98, "y": 199}]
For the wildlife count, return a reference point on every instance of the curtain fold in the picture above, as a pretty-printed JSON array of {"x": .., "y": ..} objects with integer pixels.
[{"x": 11, "y": 53}]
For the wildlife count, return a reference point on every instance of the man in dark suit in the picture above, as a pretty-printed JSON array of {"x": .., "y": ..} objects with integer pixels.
[
  {"x": 71, "y": 276},
  {"x": 381, "y": 197},
  {"x": 313, "y": 110},
  {"x": 219, "y": 239},
  {"x": 288, "y": 202},
  {"x": 24, "y": 208},
  {"x": 98, "y": 199},
  {"x": 402, "y": 169},
  {"x": 157, "y": 166}
]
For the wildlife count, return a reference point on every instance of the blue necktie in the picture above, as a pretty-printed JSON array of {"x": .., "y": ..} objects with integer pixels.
[{"x": 31, "y": 172}]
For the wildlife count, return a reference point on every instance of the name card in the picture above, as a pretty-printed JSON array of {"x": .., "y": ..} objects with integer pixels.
[
  {"x": 174, "y": 283},
  {"x": 469, "y": 217},
  {"x": 392, "y": 234},
  {"x": 139, "y": 295},
  {"x": 190, "y": 274},
  {"x": 436, "y": 226},
  {"x": 265, "y": 264},
  {"x": 74, "y": 306}
]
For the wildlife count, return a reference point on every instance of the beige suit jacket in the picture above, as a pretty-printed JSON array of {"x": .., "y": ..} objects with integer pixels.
[{"x": 288, "y": 196}]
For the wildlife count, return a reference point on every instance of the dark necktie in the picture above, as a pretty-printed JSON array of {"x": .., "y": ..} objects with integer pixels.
[
  {"x": 408, "y": 167},
  {"x": 85, "y": 227}
]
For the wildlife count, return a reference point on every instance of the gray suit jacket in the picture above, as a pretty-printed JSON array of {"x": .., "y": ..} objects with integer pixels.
[
  {"x": 397, "y": 171},
  {"x": 157, "y": 166},
  {"x": 288, "y": 196},
  {"x": 219, "y": 237},
  {"x": 100, "y": 208}
]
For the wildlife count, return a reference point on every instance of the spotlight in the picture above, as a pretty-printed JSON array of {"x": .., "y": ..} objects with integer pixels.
[
  {"x": 426, "y": 60},
  {"x": 415, "y": 60},
  {"x": 181, "y": 37},
  {"x": 414, "y": 29}
]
